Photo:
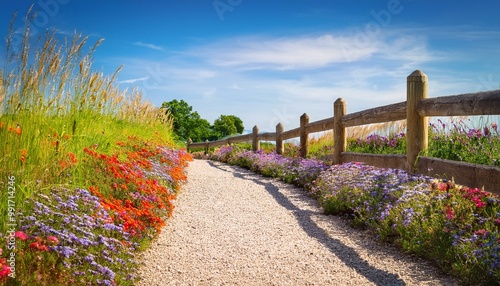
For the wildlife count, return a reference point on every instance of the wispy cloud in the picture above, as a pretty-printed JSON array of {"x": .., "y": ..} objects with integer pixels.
[
  {"x": 149, "y": 46},
  {"x": 134, "y": 80},
  {"x": 302, "y": 52},
  {"x": 312, "y": 51},
  {"x": 279, "y": 78}
]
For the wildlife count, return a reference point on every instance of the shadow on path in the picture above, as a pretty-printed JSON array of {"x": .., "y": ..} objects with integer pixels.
[{"x": 345, "y": 253}]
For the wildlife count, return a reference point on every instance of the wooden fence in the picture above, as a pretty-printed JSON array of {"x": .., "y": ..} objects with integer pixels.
[{"x": 416, "y": 110}]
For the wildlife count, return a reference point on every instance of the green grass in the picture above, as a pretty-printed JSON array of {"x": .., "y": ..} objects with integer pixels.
[{"x": 52, "y": 106}]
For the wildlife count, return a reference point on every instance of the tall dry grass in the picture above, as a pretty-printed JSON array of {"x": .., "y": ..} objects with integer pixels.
[
  {"x": 325, "y": 140},
  {"x": 53, "y": 104}
]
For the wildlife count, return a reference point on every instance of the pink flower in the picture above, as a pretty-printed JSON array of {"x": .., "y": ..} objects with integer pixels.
[
  {"x": 449, "y": 213},
  {"x": 4, "y": 270},
  {"x": 53, "y": 240},
  {"x": 480, "y": 232},
  {"x": 479, "y": 202},
  {"x": 21, "y": 235}
]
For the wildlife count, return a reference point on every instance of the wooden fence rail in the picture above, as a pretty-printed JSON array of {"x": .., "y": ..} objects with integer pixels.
[{"x": 416, "y": 110}]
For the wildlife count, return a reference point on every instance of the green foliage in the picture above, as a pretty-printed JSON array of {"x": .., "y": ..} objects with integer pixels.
[
  {"x": 454, "y": 226},
  {"x": 395, "y": 143},
  {"x": 227, "y": 125},
  {"x": 460, "y": 142},
  {"x": 186, "y": 122},
  {"x": 52, "y": 108}
]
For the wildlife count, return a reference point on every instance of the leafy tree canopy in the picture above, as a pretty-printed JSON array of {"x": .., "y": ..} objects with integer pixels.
[
  {"x": 189, "y": 124},
  {"x": 227, "y": 125},
  {"x": 186, "y": 122}
]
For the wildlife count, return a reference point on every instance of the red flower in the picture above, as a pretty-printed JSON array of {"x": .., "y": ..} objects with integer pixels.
[
  {"x": 21, "y": 235},
  {"x": 38, "y": 246}
]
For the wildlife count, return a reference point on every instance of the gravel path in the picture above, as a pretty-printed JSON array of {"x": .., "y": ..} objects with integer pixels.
[{"x": 233, "y": 227}]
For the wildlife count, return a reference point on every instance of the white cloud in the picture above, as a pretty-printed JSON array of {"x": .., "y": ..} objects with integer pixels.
[
  {"x": 134, "y": 80},
  {"x": 306, "y": 52},
  {"x": 149, "y": 46},
  {"x": 303, "y": 52},
  {"x": 265, "y": 80}
]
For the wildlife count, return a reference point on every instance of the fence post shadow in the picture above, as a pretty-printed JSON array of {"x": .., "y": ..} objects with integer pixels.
[{"x": 345, "y": 253}]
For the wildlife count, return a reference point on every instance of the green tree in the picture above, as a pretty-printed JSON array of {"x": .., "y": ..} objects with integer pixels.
[
  {"x": 227, "y": 125},
  {"x": 186, "y": 122}
]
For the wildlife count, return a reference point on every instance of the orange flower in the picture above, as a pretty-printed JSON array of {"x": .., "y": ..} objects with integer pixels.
[
  {"x": 72, "y": 158},
  {"x": 16, "y": 130},
  {"x": 63, "y": 164}
]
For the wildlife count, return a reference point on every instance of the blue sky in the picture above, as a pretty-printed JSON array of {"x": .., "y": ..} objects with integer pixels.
[{"x": 270, "y": 61}]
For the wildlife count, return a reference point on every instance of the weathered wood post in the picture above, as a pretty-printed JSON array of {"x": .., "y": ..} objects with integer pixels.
[
  {"x": 279, "y": 140},
  {"x": 189, "y": 142},
  {"x": 304, "y": 136},
  {"x": 339, "y": 136},
  {"x": 255, "y": 138},
  {"x": 206, "y": 147},
  {"x": 416, "y": 125}
]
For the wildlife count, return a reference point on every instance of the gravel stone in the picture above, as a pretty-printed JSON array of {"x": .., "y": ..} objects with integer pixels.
[{"x": 233, "y": 227}]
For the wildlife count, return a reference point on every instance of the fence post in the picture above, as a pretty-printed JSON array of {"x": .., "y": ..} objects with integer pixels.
[
  {"x": 206, "y": 147},
  {"x": 339, "y": 137},
  {"x": 255, "y": 138},
  {"x": 279, "y": 141},
  {"x": 189, "y": 142},
  {"x": 416, "y": 125},
  {"x": 304, "y": 137}
]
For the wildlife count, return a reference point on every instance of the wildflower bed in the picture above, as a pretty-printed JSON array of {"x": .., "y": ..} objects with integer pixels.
[
  {"x": 89, "y": 236},
  {"x": 455, "y": 226}
]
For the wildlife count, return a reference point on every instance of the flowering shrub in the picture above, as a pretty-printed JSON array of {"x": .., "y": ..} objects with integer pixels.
[
  {"x": 460, "y": 142},
  {"x": 138, "y": 189},
  {"x": 73, "y": 216},
  {"x": 395, "y": 143},
  {"x": 87, "y": 237},
  {"x": 303, "y": 172},
  {"x": 82, "y": 235},
  {"x": 456, "y": 141},
  {"x": 455, "y": 226},
  {"x": 270, "y": 164}
]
